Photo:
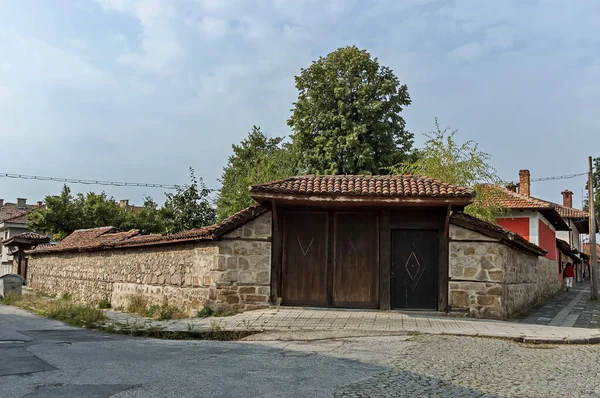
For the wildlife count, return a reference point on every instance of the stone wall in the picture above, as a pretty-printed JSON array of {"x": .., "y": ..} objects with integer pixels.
[
  {"x": 230, "y": 273},
  {"x": 489, "y": 279}
]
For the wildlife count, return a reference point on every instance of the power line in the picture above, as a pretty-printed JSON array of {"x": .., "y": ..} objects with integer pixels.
[
  {"x": 89, "y": 182},
  {"x": 565, "y": 177}
]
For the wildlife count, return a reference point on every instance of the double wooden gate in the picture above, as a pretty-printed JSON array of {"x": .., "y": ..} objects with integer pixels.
[{"x": 331, "y": 259}]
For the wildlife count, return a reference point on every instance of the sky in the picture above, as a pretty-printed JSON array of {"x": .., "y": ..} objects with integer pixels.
[{"x": 141, "y": 90}]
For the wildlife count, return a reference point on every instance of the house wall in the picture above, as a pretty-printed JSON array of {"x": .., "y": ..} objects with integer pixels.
[
  {"x": 572, "y": 237},
  {"x": 232, "y": 273},
  {"x": 547, "y": 239},
  {"x": 488, "y": 279},
  {"x": 519, "y": 225}
]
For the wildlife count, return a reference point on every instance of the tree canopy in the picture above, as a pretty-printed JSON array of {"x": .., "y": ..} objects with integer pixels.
[
  {"x": 443, "y": 158},
  {"x": 347, "y": 119},
  {"x": 257, "y": 159},
  {"x": 188, "y": 208}
]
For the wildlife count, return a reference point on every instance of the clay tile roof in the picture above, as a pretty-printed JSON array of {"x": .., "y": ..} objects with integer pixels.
[
  {"x": 27, "y": 237},
  {"x": 9, "y": 212},
  {"x": 383, "y": 186},
  {"x": 513, "y": 200},
  {"x": 495, "y": 231},
  {"x": 108, "y": 238},
  {"x": 568, "y": 212}
]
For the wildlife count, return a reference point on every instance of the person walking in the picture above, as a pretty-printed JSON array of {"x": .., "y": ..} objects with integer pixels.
[{"x": 569, "y": 274}]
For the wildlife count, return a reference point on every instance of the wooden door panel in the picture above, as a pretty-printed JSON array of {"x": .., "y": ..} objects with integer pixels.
[
  {"x": 304, "y": 268},
  {"x": 356, "y": 260},
  {"x": 414, "y": 269}
]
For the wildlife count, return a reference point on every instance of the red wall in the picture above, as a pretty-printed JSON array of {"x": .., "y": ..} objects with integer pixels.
[
  {"x": 548, "y": 241},
  {"x": 517, "y": 225}
]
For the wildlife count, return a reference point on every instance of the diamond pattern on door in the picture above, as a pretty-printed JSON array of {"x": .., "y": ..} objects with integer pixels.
[{"x": 414, "y": 270}]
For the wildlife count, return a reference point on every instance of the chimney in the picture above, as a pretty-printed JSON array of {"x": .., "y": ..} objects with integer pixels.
[
  {"x": 1, "y": 202},
  {"x": 524, "y": 182},
  {"x": 567, "y": 198},
  {"x": 124, "y": 202},
  {"x": 40, "y": 203},
  {"x": 512, "y": 187},
  {"x": 21, "y": 203}
]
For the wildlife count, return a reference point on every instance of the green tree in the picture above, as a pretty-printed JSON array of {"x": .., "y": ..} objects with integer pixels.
[
  {"x": 150, "y": 219},
  {"x": 257, "y": 159},
  {"x": 596, "y": 188},
  {"x": 60, "y": 216},
  {"x": 347, "y": 116},
  {"x": 189, "y": 207},
  {"x": 464, "y": 165}
]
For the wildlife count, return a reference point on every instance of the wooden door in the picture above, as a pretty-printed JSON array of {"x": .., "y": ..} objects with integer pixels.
[
  {"x": 304, "y": 266},
  {"x": 414, "y": 269},
  {"x": 356, "y": 260}
]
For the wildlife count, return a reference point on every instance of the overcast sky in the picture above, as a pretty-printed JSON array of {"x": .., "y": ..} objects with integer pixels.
[{"x": 141, "y": 90}]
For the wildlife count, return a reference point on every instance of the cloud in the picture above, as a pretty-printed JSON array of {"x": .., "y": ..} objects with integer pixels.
[
  {"x": 213, "y": 26},
  {"x": 78, "y": 44},
  {"x": 160, "y": 46}
]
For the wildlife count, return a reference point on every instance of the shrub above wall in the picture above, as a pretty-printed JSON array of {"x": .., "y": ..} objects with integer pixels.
[{"x": 225, "y": 266}]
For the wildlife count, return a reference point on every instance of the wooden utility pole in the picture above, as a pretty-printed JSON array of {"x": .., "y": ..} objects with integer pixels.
[{"x": 593, "y": 254}]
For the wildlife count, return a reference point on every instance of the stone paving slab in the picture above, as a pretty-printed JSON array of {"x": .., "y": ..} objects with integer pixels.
[{"x": 306, "y": 319}]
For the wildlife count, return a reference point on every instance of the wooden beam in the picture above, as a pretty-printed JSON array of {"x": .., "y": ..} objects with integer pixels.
[
  {"x": 385, "y": 260},
  {"x": 274, "y": 215},
  {"x": 443, "y": 264},
  {"x": 276, "y": 259}
]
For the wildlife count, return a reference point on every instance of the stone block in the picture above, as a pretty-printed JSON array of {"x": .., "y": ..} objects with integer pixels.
[
  {"x": 469, "y": 272},
  {"x": 255, "y": 298},
  {"x": 232, "y": 300},
  {"x": 496, "y": 275},
  {"x": 485, "y": 300},
  {"x": 459, "y": 299},
  {"x": 232, "y": 262},
  {"x": 247, "y": 290},
  {"x": 486, "y": 264},
  {"x": 264, "y": 290}
]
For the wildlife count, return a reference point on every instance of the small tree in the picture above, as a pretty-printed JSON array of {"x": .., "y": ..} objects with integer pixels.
[
  {"x": 464, "y": 165},
  {"x": 59, "y": 217},
  {"x": 347, "y": 116},
  {"x": 255, "y": 160},
  {"x": 149, "y": 219},
  {"x": 189, "y": 207}
]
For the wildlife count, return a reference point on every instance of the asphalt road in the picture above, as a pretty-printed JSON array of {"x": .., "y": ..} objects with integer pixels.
[{"x": 44, "y": 358}]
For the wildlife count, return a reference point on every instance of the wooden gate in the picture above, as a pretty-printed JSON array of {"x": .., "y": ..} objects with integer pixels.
[
  {"x": 414, "y": 269},
  {"x": 330, "y": 259},
  {"x": 305, "y": 252},
  {"x": 356, "y": 260}
]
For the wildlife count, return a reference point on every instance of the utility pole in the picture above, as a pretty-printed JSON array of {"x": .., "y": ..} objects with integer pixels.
[{"x": 593, "y": 254}]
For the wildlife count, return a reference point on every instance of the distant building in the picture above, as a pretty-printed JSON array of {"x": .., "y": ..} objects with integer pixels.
[{"x": 12, "y": 222}]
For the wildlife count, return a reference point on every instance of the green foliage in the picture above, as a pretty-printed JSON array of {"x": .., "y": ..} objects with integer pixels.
[
  {"x": 596, "y": 187},
  {"x": 189, "y": 207},
  {"x": 223, "y": 314},
  {"x": 104, "y": 304},
  {"x": 257, "y": 159},
  {"x": 66, "y": 296},
  {"x": 464, "y": 165},
  {"x": 347, "y": 116},
  {"x": 205, "y": 312}
]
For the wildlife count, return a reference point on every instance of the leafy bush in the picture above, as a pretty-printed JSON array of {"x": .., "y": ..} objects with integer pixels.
[
  {"x": 205, "y": 312},
  {"x": 104, "y": 304},
  {"x": 66, "y": 296}
]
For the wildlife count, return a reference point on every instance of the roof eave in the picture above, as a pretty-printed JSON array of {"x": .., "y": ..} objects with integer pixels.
[{"x": 262, "y": 197}]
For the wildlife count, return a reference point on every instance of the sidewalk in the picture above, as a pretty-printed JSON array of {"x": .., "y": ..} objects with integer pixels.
[
  {"x": 286, "y": 319},
  {"x": 568, "y": 309}
]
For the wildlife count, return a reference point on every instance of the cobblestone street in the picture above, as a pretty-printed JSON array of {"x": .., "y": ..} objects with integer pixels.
[
  {"x": 451, "y": 366},
  {"x": 571, "y": 309}
]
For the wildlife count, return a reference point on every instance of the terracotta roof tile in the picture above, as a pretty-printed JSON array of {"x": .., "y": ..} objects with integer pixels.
[
  {"x": 108, "y": 237},
  {"x": 495, "y": 231},
  {"x": 513, "y": 200},
  {"x": 9, "y": 212},
  {"x": 568, "y": 212},
  {"x": 364, "y": 185}
]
